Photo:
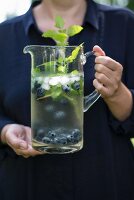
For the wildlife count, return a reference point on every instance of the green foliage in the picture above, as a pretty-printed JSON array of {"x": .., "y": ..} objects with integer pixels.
[
  {"x": 131, "y": 4},
  {"x": 74, "y": 54},
  {"x": 61, "y": 35},
  {"x": 59, "y": 22},
  {"x": 73, "y": 30}
]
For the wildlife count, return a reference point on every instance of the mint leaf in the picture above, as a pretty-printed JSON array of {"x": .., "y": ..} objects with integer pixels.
[
  {"x": 58, "y": 37},
  {"x": 73, "y": 30},
  {"x": 75, "y": 72},
  {"x": 62, "y": 69},
  {"x": 59, "y": 22},
  {"x": 56, "y": 92},
  {"x": 74, "y": 54},
  {"x": 61, "y": 60}
]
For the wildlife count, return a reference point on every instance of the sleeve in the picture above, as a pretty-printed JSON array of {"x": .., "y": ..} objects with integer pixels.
[
  {"x": 127, "y": 127},
  {"x": 4, "y": 120}
]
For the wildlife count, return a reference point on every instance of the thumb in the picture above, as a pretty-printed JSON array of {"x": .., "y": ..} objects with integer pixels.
[{"x": 98, "y": 51}]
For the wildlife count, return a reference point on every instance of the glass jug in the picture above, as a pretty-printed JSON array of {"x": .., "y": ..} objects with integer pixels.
[{"x": 57, "y": 101}]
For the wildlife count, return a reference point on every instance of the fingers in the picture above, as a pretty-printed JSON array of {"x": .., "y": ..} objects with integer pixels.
[
  {"x": 106, "y": 90},
  {"x": 101, "y": 69},
  {"x": 28, "y": 152},
  {"x": 108, "y": 73},
  {"x": 98, "y": 51},
  {"x": 108, "y": 62},
  {"x": 18, "y": 137}
]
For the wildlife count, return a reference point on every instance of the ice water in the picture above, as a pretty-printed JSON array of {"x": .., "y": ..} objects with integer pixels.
[{"x": 57, "y": 113}]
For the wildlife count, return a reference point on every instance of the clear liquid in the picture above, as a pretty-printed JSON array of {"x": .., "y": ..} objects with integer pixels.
[{"x": 57, "y": 115}]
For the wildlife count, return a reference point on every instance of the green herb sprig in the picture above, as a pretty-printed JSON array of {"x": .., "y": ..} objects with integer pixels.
[{"x": 61, "y": 35}]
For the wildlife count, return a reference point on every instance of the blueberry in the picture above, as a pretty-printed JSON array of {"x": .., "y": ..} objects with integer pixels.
[
  {"x": 74, "y": 137},
  {"x": 51, "y": 134},
  {"x": 66, "y": 88},
  {"x": 64, "y": 101},
  {"x": 36, "y": 86},
  {"x": 76, "y": 85},
  {"x": 60, "y": 140},
  {"x": 70, "y": 139},
  {"x": 40, "y": 92},
  {"x": 63, "y": 140},
  {"x": 59, "y": 115},
  {"x": 49, "y": 108},
  {"x": 56, "y": 140},
  {"x": 76, "y": 133},
  {"x": 46, "y": 140}
]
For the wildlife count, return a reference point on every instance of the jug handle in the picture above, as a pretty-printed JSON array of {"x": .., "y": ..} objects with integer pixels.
[{"x": 90, "y": 99}]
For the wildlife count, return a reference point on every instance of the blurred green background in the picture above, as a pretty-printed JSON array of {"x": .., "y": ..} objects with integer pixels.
[{"x": 123, "y": 3}]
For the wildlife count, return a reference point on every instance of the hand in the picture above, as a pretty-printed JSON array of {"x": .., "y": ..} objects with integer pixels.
[
  {"x": 108, "y": 83},
  {"x": 108, "y": 74},
  {"x": 18, "y": 137}
]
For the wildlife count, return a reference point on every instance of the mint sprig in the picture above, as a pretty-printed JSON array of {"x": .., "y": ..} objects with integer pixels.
[{"x": 61, "y": 35}]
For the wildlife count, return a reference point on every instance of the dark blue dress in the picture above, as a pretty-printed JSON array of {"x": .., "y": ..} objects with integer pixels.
[{"x": 104, "y": 168}]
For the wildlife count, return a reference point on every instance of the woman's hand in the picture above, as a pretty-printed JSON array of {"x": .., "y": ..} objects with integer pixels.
[
  {"x": 108, "y": 74},
  {"x": 18, "y": 137},
  {"x": 108, "y": 83}
]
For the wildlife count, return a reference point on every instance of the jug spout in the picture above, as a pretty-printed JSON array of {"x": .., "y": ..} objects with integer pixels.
[
  {"x": 90, "y": 99},
  {"x": 27, "y": 49}
]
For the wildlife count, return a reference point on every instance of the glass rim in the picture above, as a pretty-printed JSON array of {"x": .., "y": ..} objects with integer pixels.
[{"x": 55, "y": 46}]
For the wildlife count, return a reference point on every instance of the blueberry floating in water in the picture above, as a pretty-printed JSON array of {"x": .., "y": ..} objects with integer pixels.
[
  {"x": 66, "y": 88},
  {"x": 40, "y": 92},
  {"x": 59, "y": 115},
  {"x": 36, "y": 86},
  {"x": 64, "y": 101},
  {"x": 49, "y": 108},
  {"x": 76, "y": 85}
]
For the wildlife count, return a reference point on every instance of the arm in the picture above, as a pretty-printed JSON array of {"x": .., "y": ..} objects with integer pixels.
[{"x": 121, "y": 103}]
